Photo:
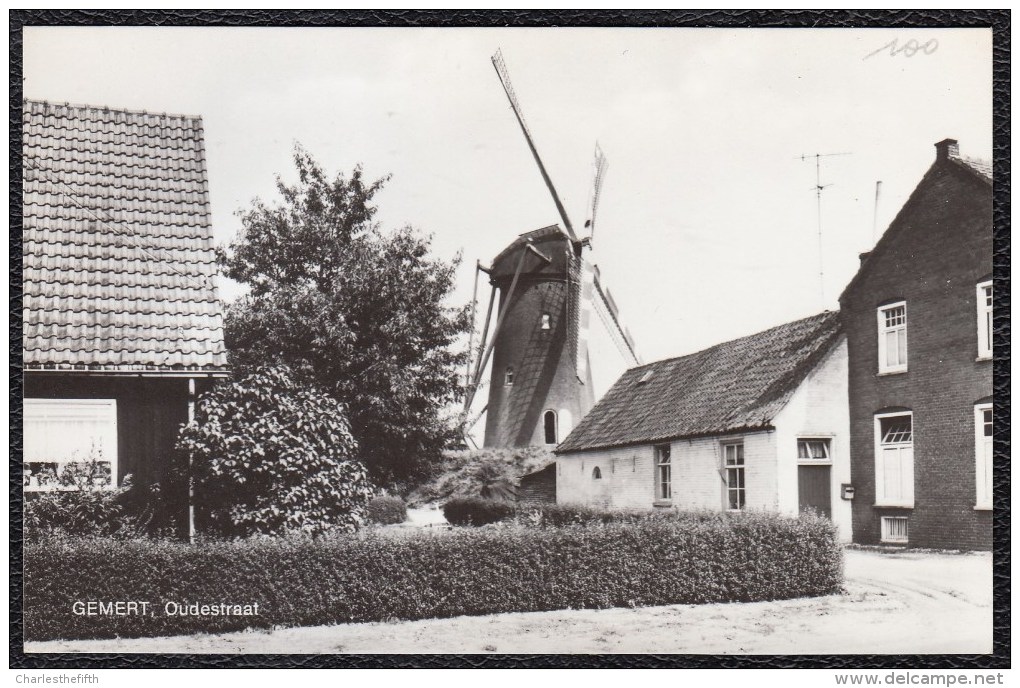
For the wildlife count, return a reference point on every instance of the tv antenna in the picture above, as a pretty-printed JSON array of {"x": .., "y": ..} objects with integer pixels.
[{"x": 819, "y": 187}]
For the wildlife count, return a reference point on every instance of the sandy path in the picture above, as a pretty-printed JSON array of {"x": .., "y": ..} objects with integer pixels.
[{"x": 895, "y": 603}]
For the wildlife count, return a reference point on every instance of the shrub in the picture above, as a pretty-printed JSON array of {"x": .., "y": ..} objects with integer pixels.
[
  {"x": 425, "y": 574},
  {"x": 386, "y": 510},
  {"x": 477, "y": 511},
  {"x": 555, "y": 515},
  {"x": 466, "y": 473},
  {"x": 272, "y": 456},
  {"x": 88, "y": 508}
]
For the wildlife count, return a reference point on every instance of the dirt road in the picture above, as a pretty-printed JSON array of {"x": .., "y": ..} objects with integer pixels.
[{"x": 894, "y": 603}]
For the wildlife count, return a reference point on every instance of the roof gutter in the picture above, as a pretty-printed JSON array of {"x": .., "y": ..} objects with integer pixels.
[
  {"x": 128, "y": 372},
  {"x": 698, "y": 436}
]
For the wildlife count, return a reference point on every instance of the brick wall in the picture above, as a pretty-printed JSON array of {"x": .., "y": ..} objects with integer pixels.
[
  {"x": 538, "y": 487},
  {"x": 933, "y": 255}
]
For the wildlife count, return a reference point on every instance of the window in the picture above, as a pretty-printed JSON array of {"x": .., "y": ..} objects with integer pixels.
[
  {"x": 813, "y": 450},
  {"x": 508, "y": 378},
  {"x": 549, "y": 420},
  {"x": 894, "y": 459},
  {"x": 546, "y": 321},
  {"x": 63, "y": 436},
  {"x": 983, "y": 454},
  {"x": 734, "y": 463},
  {"x": 894, "y": 529},
  {"x": 892, "y": 338},
  {"x": 596, "y": 474},
  {"x": 984, "y": 319},
  {"x": 663, "y": 473}
]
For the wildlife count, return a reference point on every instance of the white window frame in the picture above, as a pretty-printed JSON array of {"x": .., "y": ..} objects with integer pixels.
[
  {"x": 663, "y": 472},
  {"x": 907, "y": 498},
  {"x": 887, "y": 535},
  {"x": 827, "y": 461},
  {"x": 740, "y": 471},
  {"x": 984, "y": 320},
  {"x": 983, "y": 459},
  {"x": 96, "y": 410},
  {"x": 900, "y": 367}
]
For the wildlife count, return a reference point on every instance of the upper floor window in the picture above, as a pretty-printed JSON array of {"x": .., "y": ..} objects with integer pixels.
[
  {"x": 546, "y": 321},
  {"x": 69, "y": 443},
  {"x": 736, "y": 496},
  {"x": 984, "y": 319},
  {"x": 508, "y": 377},
  {"x": 983, "y": 454},
  {"x": 894, "y": 459},
  {"x": 549, "y": 420},
  {"x": 663, "y": 472},
  {"x": 892, "y": 338}
]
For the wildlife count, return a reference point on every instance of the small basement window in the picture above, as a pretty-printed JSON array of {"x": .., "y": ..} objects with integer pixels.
[{"x": 894, "y": 529}]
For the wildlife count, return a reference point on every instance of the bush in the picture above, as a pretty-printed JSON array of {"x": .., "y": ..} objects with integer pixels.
[
  {"x": 386, "y": 510},
  {"x": 477, "y": 511},
  {"x": 272, "y": 456},
  {"x": 466, "y": 473},
  {"x": 426, "y": 574},
  {"x": 555, "y": 515},
  {"x": 87, "y": 508}
]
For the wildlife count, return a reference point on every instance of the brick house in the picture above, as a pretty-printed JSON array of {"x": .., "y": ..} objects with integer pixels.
[
  {"x": 756, "y": 423},
  {"x": 122, "y": 324},
  {"x": 918, "y": 319}
]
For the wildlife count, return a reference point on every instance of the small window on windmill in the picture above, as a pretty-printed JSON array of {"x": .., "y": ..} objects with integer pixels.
[
  {"x": 508, "y": 379},
  {"x": 546, "y": 321},
  {"x": 646, "y": 377}
]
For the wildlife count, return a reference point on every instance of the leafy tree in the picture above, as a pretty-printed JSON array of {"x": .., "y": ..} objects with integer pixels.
[
  {"x": 271, "y": 455},
  {"x": 358, "y": 311}
]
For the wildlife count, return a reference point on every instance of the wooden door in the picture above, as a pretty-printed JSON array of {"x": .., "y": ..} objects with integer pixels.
[{"x": 815, "y": 489}]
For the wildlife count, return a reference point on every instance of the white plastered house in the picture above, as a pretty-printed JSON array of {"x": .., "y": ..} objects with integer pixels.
[{"x": 761, "y": 423}]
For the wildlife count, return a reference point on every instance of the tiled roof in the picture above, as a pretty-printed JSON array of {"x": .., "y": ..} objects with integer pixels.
[
  {"x": 982, "y": 167},
  {"x": 738, "y": 385},
  {"x": 118, "y": 247}
]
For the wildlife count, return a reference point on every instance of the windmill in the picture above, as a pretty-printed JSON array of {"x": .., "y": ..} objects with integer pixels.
[{"x": 554, "y": 313}]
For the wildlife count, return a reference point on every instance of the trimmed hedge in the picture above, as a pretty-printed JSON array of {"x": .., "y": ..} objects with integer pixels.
[
  {"x": 386, "y": 510},
  {"x": 372, "y": 577},
  {"x": 477, "y": 511}
]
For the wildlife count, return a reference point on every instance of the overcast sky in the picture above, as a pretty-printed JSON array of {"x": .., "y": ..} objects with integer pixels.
[{"x": 707, "y": 225}]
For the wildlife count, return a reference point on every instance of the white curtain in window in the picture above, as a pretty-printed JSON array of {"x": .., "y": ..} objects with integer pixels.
[
  {"x": 59, "y": 430},
  {"x": 898, "y": 474}
]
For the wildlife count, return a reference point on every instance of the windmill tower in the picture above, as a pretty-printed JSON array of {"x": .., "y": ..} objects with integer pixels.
[{"x": 552, "y": 307}]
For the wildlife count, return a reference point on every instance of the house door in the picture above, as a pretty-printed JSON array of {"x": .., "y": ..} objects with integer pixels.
[{"x": 815, "y": 490}]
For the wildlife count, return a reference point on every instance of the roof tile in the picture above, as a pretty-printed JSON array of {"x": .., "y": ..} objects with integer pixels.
[
  {"x": 737, "y": 385},
  {"x": 119, "y": 268}
]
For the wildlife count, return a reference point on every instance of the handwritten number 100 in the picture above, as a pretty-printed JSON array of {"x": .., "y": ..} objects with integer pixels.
[{"x": 908, "y": 49}]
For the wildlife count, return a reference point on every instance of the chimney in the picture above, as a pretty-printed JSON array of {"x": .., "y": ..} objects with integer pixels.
[{"x": 946, "y": 149}]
